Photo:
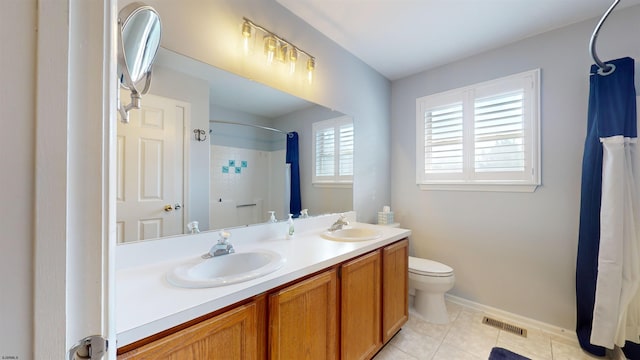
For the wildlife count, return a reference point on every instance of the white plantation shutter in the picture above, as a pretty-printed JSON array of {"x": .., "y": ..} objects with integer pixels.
[
  {"x": 325, "y": 141},
  {"x": 481, "y": 137},
  {"x": 499, "y": 133},
  {"x": 345, "y": 159},
  {"x": 333, "y": 151},
  {"x": 443, "y": 139}
]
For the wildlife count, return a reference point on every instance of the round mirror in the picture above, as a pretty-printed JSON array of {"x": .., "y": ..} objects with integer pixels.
[{"x": 140, "y": 39}]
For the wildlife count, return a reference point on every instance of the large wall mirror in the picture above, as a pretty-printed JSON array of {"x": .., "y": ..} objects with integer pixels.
[{"x": 180, "y": 160}]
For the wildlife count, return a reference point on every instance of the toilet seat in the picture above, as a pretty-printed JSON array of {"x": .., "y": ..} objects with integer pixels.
[{"x": 427, "y": 267}]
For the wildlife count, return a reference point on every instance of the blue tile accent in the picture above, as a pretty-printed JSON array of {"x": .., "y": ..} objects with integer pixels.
[{"x": 234, "y": 167}]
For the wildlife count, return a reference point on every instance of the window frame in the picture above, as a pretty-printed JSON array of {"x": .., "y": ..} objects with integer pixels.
[
  {"x": 469, "y": 179},
  {"x": 334, "y": 180}
]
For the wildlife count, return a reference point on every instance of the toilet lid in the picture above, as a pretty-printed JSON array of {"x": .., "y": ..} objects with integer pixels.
[{"x": 428, "y": 267}]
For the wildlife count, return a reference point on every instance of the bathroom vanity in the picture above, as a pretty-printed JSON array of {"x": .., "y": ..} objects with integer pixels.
[{"x": 330, "y": 300}]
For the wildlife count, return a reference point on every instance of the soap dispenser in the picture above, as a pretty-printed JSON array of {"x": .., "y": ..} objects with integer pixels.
[
  {"x": 193, "y": 227},
  {"x": 290, "y": 228},
  {"x": 272, "y": 218}
]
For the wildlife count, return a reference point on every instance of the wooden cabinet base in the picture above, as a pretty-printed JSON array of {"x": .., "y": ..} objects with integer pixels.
[
  {"x": 360, "y": 299},
  {"x": 303, "y": 319},
  {"x": 234, "y": 334},
  {"x": 347, "y": 311},
  {"x": 395, "y": 291}
]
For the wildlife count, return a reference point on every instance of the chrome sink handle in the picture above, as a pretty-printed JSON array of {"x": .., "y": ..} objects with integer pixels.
[
  {"x": 339, "y": 224},
  {"x": 222, "y": 247}
]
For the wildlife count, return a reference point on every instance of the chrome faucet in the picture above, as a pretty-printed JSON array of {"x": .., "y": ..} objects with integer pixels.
[
  {"x": 339, "y": 224},
  {"x": 222, "y": 247}
]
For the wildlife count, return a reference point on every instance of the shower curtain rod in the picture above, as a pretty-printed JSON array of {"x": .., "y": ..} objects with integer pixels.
[
  {"x": 250, "y": 125},
  {"x": 594, "y": 36}
]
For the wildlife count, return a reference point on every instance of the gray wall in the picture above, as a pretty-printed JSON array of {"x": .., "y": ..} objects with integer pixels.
[
  {"x": 17, "y": 159},
  {"x": 175, "y": 85},
  {"x": 513, "y": 251},
  {"x": 243, "y": 136},
  {"x": 209, "y": 31}
]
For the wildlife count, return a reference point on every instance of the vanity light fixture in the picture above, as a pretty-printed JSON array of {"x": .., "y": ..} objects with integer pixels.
[{"x": 277, "y": 48}]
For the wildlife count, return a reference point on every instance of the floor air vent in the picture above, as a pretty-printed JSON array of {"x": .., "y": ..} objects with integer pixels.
[{"x": 504, "y": 326}]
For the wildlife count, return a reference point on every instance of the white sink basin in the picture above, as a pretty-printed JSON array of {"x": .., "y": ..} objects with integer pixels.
[
  {"x": 352, "y": 234},
  {"x": 225, "y": 269}
]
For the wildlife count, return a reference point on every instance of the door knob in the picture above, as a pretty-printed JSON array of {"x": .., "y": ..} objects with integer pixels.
[{"x": 169, "y": 208}]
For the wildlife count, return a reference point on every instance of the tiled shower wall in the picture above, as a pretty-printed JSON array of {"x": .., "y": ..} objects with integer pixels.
[{"x": 245, "y": 185}]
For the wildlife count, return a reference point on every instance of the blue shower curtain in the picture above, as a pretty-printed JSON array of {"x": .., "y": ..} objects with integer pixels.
[
  {"x": 295, "y": 202},
  {"x": 608, "y": 263}
]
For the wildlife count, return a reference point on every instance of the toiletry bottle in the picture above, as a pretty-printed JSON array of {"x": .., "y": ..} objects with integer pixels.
[
  {"x": 290, "y": 228},
  {"x": 272, "y": 218},
  {"x": 304, "y": 213},
  {"x": 193, "y": 227}
]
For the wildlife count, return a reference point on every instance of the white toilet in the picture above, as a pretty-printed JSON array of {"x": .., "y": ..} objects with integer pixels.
[{"x": 431, "y": 280}]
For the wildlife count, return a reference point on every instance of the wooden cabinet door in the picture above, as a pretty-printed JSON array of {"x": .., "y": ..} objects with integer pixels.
[
  {"x": 361, "y": 309},
  {"x": 230, "y": 335},
  {"x": 395, "y": 278},
  {"x": 303, "y": 319}
]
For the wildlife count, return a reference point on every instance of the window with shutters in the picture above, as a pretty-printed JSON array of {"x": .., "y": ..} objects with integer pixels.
[
  {"x": 332, "y": 152},
  {"x": 480, "y": 137}
]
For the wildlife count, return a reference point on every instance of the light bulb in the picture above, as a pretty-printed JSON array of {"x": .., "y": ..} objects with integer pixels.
[
  {"x": 270, "y": 48},
  {"x": 293, "y": 58},
  {"x": 246, "y": 35},
  {"x": 281, "y": 52},
  {"x": 311, "y": 65}
]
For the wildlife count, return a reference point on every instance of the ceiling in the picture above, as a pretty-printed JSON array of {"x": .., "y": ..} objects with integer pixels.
[
  {"x": 232, "y": 91},
  {"x": 399, "y": 38}
]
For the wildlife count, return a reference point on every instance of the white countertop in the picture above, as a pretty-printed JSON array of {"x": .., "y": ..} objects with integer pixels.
[{"x": 147, "y": 303}]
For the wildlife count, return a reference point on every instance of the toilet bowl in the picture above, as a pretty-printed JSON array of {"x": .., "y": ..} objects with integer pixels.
[{"x": 430, "y": 280}]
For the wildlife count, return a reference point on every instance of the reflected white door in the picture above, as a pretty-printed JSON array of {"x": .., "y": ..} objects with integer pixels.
[{"x": 150, "y": 168}]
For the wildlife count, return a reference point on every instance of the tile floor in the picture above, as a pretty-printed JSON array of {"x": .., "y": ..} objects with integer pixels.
[{"x": 466, "y": 338}]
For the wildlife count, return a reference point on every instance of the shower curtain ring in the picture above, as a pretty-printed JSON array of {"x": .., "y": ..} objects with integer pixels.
[{"x": 610, "y": 68}]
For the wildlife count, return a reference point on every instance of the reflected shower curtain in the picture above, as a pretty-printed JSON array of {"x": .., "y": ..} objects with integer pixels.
[
  {"x": 295, "y": 202},
  {"x": 608, "y": 264}
]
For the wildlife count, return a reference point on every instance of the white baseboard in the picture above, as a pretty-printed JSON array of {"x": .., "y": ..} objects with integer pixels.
[{"x": 565, "y": 334}]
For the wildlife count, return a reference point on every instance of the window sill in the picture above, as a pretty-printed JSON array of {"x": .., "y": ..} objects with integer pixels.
[
  {"x": 333, "y": 185},
  {"x": 480, "y": 187}
]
